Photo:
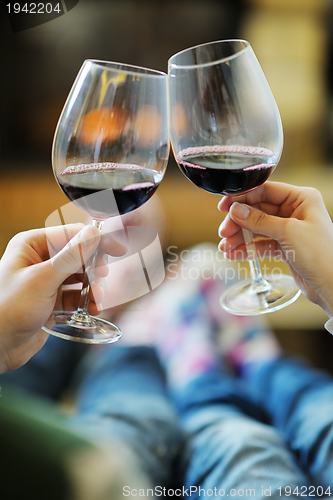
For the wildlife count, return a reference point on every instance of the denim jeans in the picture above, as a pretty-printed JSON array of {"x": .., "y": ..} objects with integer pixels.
[
  {"x": 265, "y": 436},
  {"x": 123, "y": 396},
  {"x": 232, "y": 449},
  {"x": 49, "y": 372},
  {"x": 299, "y": 403}
]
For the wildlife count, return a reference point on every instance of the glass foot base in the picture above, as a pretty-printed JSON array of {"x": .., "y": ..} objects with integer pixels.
[
  {"x": 98, "y": 331},
  {"x": 241, "y": 300}
]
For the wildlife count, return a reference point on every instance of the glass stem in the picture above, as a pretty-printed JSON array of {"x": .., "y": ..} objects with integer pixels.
[
  {"x": 259, "y": 284},
  {"x": 81, "y": 315}
]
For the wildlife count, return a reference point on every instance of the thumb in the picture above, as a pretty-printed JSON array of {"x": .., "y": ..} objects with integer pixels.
[
  {"x": 257, "y": 221},
  {"x": 72, "y": 257}
]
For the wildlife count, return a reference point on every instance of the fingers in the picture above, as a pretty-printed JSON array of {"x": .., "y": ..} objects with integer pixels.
[
  {"x": 96, "y": 292},
  {"x": 66, "y": 263},
  {"x": 50, "y": 241},
  {"x": 236, "y": 250},
  {"x": 228, "y": 227},
  {"x": 30, "y": 247},
  {"x": 68, "y": 298},
  {"x": 77, "y": 252},
  {"x": 101, "y": 266},
  {"x": 70, "y": 259},
  {"x": 271, "y": 197},
  {"x": 260, "y": 219},
  {"x": 232, "y": 242},
  {"x": 256, "y": 221},
  {"x": 274, "y": 193},
  {"x": 109, "y": 245},
  {"x": 58, "y": 237},
  {"x": 268, "y": 199},
  {"x": 225, "y": 203}
]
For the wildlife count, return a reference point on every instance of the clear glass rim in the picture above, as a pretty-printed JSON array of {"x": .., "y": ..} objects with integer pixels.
[
  {"x": 130, "y": 69},
  {"x": 211, "y": 63}
]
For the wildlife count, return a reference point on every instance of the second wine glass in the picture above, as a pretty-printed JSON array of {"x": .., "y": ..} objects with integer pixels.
[
  {"x": 109, "y": 155},
  {"x": 227, "y": 138}
]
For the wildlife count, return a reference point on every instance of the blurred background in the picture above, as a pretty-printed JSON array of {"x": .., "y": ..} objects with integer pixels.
[{"x": 293, "y": 42}]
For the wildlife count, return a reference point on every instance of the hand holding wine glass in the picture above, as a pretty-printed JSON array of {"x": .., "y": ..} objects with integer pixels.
[
  {"x": 227, "y": 138},
  {"x": 109, "y": 155},
  {"x": 291, "y": 223},
  {"x": 31, "y": 284}
]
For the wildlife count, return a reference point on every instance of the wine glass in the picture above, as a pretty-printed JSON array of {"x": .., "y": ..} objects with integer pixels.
[
  {"x": 227, "y": 138},
  {"x": 109, "y": 155}
]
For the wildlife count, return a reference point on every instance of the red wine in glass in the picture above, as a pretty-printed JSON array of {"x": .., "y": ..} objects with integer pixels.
[
  {"x": 109, "y": 154},
  {"x": 227, "y": 138},
  {"x": 227, "y": 170},
  {"x": 121, "y": 188}
]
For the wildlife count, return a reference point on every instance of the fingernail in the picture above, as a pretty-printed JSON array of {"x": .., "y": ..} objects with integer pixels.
[
  {"x": 101, "y": 285},
  {"x": 222, "y": 226},
  {"x": 222, "y": 244},
  {"x": 239, "y": 210}
]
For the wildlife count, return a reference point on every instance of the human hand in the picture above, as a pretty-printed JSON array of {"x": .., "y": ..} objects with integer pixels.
[
  {"x": 31, "y": 284},
  {"x": 290, "y": 222}
]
